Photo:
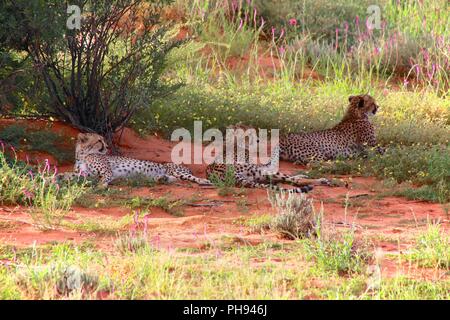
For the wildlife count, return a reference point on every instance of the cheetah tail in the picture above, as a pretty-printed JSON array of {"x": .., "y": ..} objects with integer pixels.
[{"x": 302, "y": 189}]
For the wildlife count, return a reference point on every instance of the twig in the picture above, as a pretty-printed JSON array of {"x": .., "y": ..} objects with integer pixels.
[
  {"x": 204, "y": 204},
  {"x": 344, "y": 224},
  {"x": 359, "y": 195}
]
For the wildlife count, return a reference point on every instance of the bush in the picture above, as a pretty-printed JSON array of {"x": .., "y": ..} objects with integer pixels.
[
  {"x": 96, "y": 84},
  {"x": 295, "y": 215},
  {"x": 227, "y": 185}
]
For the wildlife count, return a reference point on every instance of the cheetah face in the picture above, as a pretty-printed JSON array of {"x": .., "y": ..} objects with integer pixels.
[
  {"x": 91, "y": 143},
  {"x": 363, "y": 105}
]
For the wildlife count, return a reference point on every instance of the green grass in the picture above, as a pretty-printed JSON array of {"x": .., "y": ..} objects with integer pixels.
[
  {"x": 104, "y": 226},
  {"x": 226, "y": 186},
  {"x": 420, "y": 170},
  {"x": 402, "y": 288},
  {"x": 404, "y": 117},
  {"x": 49, "y": 201},
  {"x": 256, "y": 223},
  {"x": 136, "y": 270},
  {"x": 340, "y": 254},
  {"x": 432, "y": 248}
]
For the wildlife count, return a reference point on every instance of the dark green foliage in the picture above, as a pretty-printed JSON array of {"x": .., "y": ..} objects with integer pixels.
[
  {"x": 33, "y": 140},
  {"x": 99, "y": 75}
]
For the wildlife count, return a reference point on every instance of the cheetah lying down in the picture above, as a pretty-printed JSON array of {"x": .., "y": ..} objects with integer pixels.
[
  {"x": 263, "y": 175},
  {"x": 91, "y": 159}
]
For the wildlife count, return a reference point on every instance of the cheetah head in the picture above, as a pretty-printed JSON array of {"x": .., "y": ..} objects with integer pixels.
[
  {"x": 90, "y": 143},
  {"x": 362, "y": 106}
]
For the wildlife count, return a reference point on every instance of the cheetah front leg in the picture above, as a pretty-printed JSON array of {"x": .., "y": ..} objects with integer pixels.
[
  {"x": 185, "y": 174},
  {"x": 192, "y": 178},
  {"x": 105, "y": 178}
]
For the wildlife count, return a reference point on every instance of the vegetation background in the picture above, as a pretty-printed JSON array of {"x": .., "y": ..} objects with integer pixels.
[{"x": 271, "y": 64}]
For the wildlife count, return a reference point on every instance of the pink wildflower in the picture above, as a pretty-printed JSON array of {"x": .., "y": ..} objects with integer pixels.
[
  {"x": 28, "y": 194},
  {"x": 431, "y": 74},
  {"x": 337, "y": 39},
  {"x": 240, "y": 24},
  {"x": 369, "y": 26},
  {"x": 293, "y": 22},
  {"x": 417, "y": 69},
  {"x": 47, "y": 166}
]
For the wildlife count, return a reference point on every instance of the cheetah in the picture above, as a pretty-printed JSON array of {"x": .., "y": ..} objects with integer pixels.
[
  {"x": 350, "y": 137},
  {"x": 92, "y": 160},
  {"x": 258, "y": 175}
]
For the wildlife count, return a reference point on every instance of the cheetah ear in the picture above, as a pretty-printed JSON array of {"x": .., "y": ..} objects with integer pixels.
[
  {"x": 82, "y": 137},
  {"x": 361, "y": 102},
  {"x": 358, "y": 100}
]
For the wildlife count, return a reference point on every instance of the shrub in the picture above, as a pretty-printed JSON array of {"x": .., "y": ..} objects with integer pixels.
[
  {"x": 227, "y": 185},
  {"x": 295, "y": 215},
  {"x": 97, "y": 75}
]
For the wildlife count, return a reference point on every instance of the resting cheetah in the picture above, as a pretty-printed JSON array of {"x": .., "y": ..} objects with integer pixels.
[
  {"x": 349, "y": 137},
  {"x": 258, "y": 175},
  {"x": 92, "y": 159}
]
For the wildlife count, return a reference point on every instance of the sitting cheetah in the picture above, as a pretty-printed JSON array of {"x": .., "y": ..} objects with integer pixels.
[
  {"x": 349, "y": 137},
  {"x": 91, "y": 159}
]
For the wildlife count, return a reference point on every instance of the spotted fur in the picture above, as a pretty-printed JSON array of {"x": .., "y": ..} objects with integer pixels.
[
  {"x": 259, "y": 175},
  {"x": 350, "y": 137},
  {"x": 92, "y": 160}
]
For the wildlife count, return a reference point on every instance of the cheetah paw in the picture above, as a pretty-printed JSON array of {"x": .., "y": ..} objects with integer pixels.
[
  {"x": 300, "y": 176},
  {"x": 166, "y": 179},
  {"x": 205, "y": 182},
  {"x": 325, "y": 182}
]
